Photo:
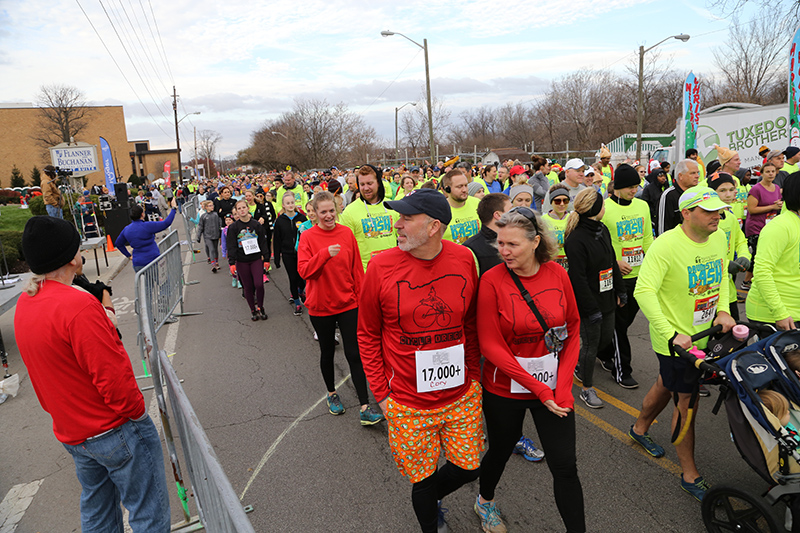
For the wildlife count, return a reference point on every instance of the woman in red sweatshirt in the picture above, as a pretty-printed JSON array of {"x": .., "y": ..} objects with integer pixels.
[
  {"x": 329, "y": 260},
  {"x": 526, "y": 370}
]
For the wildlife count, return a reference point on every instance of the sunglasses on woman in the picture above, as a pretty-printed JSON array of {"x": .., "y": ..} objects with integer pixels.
[
  {"x": 559, "y": 201},
  {"x": 528, "y": 213}
]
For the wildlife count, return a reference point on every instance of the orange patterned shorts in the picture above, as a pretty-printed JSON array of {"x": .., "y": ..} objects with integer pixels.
[{"x": 416, "y": 436}]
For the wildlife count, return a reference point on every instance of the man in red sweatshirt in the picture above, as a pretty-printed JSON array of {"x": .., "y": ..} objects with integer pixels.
[
  {"x": 419, "y": 347},
  {"x": 84, "y": 380}
]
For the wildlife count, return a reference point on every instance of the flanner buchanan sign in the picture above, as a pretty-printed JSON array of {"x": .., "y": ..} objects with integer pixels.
[{"x": 77, "y": 157}]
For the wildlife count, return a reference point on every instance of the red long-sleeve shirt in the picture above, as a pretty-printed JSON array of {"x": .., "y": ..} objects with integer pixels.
[
  {"x": 332, "y": 283},
  {"x": 508, "y": 329},
  {"x": 409, "y": 304},
  {"x": 77, "y": 364}
]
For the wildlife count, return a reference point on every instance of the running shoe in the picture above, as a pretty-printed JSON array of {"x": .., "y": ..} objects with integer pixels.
[
  {"x": 589, "y": 397},
  {"x": 703, "y": 391},
  {"x": 291, "y": 300},
  {"x": 527, "y": 449},
  {"x": 441, "y": 524},
  {"x": 370, "y": 417},
  {"x": 208, "y": 260},
  {"x": 214, "y": 269},
  {"x": 262, "y": 314},
  {"x": 298, "y": 310},
  {"x": 647, "y": 442},
  {"x": 266, "y": 279},
  {"x": 238, "y": 284},
  {"x": 335, "y": 406},
  {"x": 577, "y": 374},
  {"x": 233, "y": 282},
  {"x": 490, "y": 517},
  {"x": 628, "y": 383},
  {"x": 254, "y": 316},
  {"x": 608, "y": 366},
  {"x": 697, "y": 489},
  {"x": 745, "y": 286},
  {"x": 316, "y": 338}
]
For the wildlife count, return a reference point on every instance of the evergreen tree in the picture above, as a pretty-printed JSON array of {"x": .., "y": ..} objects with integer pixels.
[
  {"x": 36, "y": 177},
  {"x": 16, "y": 178}
]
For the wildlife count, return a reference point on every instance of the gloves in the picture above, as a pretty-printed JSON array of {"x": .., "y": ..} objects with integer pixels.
[
  {"x": 595, "y": 318},
  {"x": 233, "y": 270},
  {"x": 95, "y": 289},
  {"x": 623, "y": 299},
  {"x": 266, "y": 266},
  {"x": 743, "y": 262}
]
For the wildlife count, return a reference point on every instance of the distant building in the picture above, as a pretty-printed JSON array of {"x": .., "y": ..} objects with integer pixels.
[
  {"x": 498, "y": 155},
  {"x": 19, "y": 125}
]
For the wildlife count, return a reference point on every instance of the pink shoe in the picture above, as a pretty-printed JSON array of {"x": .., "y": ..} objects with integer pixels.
[{"x": 266, "y": 279}]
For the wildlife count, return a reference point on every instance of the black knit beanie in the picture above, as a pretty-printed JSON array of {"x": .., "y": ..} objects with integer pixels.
[
  {"x": 716, "y": 180},
  {"x": 626, "y": 176},
  {"x": 49, "y": 243}
]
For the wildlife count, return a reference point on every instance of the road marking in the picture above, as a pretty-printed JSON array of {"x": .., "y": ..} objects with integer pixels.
[
  {"x": 619, "y": 404},
  {"x": 663, "y": 462},
  {"x": 277, "y": 441},
  {"x": 16, "y": 502}
]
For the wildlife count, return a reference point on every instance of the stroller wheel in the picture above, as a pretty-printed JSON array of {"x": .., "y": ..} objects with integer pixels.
[{"x": 727, "y": 508}]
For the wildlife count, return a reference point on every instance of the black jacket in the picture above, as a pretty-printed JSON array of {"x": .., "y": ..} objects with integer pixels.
[
  {"x": 669, "y": 212},
  {"x": 481, "y": 245},
  {"x": 236, "y": 252},
  {"x": 267, "y": 212},
  {"x": 224, "y": 207},
  {"x": 589, "y": 253},
  {"x": 284, "y": 235},
  {"x": 652, "y": 194}
]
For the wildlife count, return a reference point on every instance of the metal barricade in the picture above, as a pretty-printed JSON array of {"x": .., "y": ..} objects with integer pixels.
[
  {"x": 218, "y": 506},
  {"x": 159, "y": 291},
  {"x": 191, "y": 212},
  {"x": 169, "y": 240}
]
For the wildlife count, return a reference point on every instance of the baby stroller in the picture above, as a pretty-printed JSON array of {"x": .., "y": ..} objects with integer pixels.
[{"x": 763, "y": 442}]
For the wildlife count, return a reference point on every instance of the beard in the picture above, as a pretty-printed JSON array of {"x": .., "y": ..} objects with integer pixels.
[{"x": 414, "y": 240}]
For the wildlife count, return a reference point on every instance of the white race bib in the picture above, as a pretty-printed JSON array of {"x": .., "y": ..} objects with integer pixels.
[
  {"x": 633, "y": 256},
  {"x": 544, "y": 369},
  {"x": 606, "y": 280},
  {"x": 440, "y": 369},
  {"x": 704, "y": 310},
  {"x": 250, "y": 246}
]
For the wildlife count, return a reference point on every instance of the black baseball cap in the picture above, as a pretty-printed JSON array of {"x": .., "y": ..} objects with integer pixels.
[{"x": 427, "y": 201}]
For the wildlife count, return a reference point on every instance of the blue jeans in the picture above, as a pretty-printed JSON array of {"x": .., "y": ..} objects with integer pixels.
[
  {"x": 54, "y": 211},
  {"x": 127, "y": 464}
]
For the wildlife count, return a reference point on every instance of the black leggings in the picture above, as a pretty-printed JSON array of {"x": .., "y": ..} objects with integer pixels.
[
  {"x": 504, "y": 418},
  {"x": 426, "y": 493},
  {"x": 252, "y": 277},
  {"x": 325, "y": 326},
  {"x": 296, "y": 283}
]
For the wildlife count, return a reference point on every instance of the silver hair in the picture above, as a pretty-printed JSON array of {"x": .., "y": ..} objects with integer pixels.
[
  {"x": 683, "y": 166},
  {"x": 517, "y": 220}
]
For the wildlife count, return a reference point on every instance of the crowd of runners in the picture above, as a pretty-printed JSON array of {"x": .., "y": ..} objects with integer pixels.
[{"x": 466, "y": 293}]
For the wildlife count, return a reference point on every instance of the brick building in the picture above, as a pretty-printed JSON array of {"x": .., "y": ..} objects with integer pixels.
[{"x": 19, "y": 124}]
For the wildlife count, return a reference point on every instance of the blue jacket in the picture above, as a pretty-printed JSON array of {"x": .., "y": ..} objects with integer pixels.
[{"x": 141, "y": 236}]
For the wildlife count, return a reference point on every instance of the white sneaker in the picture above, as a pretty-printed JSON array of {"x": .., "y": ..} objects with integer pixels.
[{"x": 315, "y": 337}]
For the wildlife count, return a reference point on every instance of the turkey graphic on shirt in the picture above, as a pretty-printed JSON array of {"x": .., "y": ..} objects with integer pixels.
[{"x": 437, "y": 305}]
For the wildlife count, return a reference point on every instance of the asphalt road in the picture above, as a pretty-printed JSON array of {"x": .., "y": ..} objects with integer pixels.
[{"x": 251, "y": 381}]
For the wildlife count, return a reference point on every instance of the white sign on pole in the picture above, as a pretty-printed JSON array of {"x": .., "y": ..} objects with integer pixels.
[{"x": 80, "y": 158}]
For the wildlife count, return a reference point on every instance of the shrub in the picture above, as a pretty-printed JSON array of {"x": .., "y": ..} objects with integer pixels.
[
  {"x": 12, "y": 246},
  {"x": 36, "y": 205}
]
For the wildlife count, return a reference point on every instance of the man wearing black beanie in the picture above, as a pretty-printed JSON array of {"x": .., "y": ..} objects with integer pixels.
[
  {"x": 628, "y": 222},
  {"x": 83, "y": 378}
]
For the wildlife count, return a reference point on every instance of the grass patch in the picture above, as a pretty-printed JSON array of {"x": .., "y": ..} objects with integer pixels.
[{"x": 12, "y": 218}]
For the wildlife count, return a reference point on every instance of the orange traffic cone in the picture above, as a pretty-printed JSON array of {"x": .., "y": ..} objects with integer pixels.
[{"x": 110, "y": 244}]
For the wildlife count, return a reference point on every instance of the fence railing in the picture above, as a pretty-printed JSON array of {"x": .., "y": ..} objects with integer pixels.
[
  {"x": 169, "y": 240},
  {"x": 159, "y": 292},
  {"x": 190, "y": 219}
]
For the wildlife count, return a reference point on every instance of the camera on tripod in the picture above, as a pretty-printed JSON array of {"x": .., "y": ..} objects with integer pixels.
[{"x": 63, "y": 172}]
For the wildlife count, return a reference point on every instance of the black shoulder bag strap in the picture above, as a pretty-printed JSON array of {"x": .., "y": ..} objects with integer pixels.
[{"x": 526, "y": 295}]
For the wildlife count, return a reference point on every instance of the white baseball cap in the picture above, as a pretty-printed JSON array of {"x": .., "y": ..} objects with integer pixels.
[
  {"x": 589, "y": 171},
  {"x": 574, "y": 164}
]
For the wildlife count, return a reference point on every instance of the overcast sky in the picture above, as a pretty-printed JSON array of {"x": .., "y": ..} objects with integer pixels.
[{"x": 242, "y": 62}]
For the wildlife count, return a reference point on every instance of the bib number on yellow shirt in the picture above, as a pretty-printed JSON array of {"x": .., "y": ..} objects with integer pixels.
[
  {"x": 606, "y": 280},
  {"x": 633, "y": 256},
  {"x": 544, "y": 369},
  {"x": 440, "y": 369},
  {"x": 704, "y": 310},
  {"x": 250, "y": 246}
]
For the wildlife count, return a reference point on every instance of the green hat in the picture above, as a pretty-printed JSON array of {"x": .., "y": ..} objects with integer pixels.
[{"x": 703, "y": 197}]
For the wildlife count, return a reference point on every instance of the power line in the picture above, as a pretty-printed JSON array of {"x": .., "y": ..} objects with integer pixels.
[
  {"x": 145, "y": 50},
  {"x": 394, "y": 80},
  {"x": 162, "y": 56},
  {"x": 155, "y": 22},
  {"x": 120, "y": 69}
]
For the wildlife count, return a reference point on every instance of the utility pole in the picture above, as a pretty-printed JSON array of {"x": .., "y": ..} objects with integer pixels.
[
  {"x": 195, "y": 152},
  {"x": 177, "y": 135}
]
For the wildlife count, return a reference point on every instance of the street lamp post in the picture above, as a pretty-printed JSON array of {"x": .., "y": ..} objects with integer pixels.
[
  {"x": 396, "y": 138},
  {"x": 177, "y": 134},
  {"x": 640, "y": 104},
  {"x": 424, "y": 46}
]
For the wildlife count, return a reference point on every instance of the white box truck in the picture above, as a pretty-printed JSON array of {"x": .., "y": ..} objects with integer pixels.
[{"x": 741, "y": 127}]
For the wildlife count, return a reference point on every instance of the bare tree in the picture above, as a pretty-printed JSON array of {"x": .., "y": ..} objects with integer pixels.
[
  {"x": 414, "y": 125},
  {"x": 790, "y": 7},
  {"x": 752, "y": 59},
  {"x": 62, "y": 114},
  {"x": 207, "y": 141}
]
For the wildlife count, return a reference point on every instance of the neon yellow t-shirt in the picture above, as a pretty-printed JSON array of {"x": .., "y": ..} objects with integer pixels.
[
  {"x": 631, "y": 232},
  {"x": 552, "y": 178},
  {"x": 737, "y": 246},
  {"x": 681, "y": 284},
  {"x": 300, "y": 196},
  {"x": 372, "y": 226},
  {"x": 465, "y": 222},
  {"x": 739, "y": 205},
  {"x": 557, "y": 227},
  {"x": 775, "y": 292}
]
